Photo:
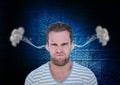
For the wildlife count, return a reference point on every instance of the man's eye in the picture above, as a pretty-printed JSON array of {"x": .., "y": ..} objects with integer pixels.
[
  {"x": 64, "y": 44},
  {"x": 53, "y": 45}
]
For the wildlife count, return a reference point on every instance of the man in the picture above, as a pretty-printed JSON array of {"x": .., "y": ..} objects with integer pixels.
[{"x": 60, "y": 70}]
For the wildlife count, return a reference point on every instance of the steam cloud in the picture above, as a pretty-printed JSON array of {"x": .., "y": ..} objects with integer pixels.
[
  {"x": 17, "y": 36},
  {"x": 101, "y": 34}
]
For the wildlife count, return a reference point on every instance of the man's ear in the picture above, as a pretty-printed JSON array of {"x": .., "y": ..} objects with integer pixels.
[
  {"x": 72, "y": 45},
  {"x": 47, "y": 46}
]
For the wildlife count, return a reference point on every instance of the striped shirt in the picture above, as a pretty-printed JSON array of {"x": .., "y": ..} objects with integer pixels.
[{"x": 79, "y": 75}]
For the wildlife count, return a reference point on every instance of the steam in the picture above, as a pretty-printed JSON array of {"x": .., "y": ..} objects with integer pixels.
[
  {"x": 17, "y": 35},
  {"x": 26, "y": 40},
  {"x": 101, "y": 34}
]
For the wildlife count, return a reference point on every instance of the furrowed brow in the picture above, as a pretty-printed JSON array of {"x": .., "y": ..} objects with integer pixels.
[
  {"x": 64, "y": 44},
  {"x": 54, "y": 44}
]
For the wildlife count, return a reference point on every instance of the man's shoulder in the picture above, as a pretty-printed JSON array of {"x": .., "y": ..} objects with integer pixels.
[
  {"x": 80, "y": 68},
  {"x": 83, "y": 73},
  {"x": 37, "y": 74}
]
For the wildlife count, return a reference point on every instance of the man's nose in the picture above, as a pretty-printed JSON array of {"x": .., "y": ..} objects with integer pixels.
[{"x": 59, "y": 49}]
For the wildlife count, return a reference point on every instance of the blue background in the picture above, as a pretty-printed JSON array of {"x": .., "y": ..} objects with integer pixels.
[{"x": 36, "y": 16}]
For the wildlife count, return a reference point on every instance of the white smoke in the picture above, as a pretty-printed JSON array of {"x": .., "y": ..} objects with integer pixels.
[
  {"x": 26, "y": 40},
  {"x": 16, "y": 36},
  {"x": 102, "y": 35},
  {"x": 91, "y": 39}
]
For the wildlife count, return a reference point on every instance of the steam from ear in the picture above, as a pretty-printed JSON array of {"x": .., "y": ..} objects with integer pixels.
[
  {"x": 16, "y": 36},
  {"x": 102, "y": 35}
]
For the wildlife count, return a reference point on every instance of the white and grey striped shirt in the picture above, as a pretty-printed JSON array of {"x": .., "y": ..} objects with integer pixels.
[{"x": 79, "y": 75}]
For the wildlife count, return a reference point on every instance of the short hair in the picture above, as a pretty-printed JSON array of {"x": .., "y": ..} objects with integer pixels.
[{"x": 59, "y": 27}]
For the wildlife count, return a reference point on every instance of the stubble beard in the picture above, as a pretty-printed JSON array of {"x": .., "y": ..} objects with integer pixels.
[{"x": 60, "y": 62}]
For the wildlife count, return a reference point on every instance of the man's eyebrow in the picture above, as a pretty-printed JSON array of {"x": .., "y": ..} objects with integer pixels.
[
  {"x": 54, "y": 44},
  {"x": 66, "y": 43}
]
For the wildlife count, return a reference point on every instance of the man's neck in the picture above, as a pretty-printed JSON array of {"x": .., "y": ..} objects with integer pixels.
[{"x": 60, "y": 73}]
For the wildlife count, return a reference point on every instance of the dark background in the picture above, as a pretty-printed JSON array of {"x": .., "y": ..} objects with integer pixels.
[{"x": 15, "y": 63}]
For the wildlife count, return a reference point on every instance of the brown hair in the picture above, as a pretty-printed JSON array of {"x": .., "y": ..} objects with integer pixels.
[{"x": 59, "y": 27}]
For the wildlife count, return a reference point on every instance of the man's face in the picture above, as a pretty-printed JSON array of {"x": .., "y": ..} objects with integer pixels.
[{"x": 59, "y": 45}]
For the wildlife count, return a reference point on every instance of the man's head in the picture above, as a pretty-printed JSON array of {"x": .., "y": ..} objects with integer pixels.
[
  {"x": 59, "y": 43},
  {"x": 59, "y": 27}
]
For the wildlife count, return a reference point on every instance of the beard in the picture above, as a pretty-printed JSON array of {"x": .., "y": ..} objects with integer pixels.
[{"x": 60, "y": 61}]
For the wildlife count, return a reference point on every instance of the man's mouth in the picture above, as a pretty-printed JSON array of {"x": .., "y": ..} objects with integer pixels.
[{"x": 59, "y": 56}]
